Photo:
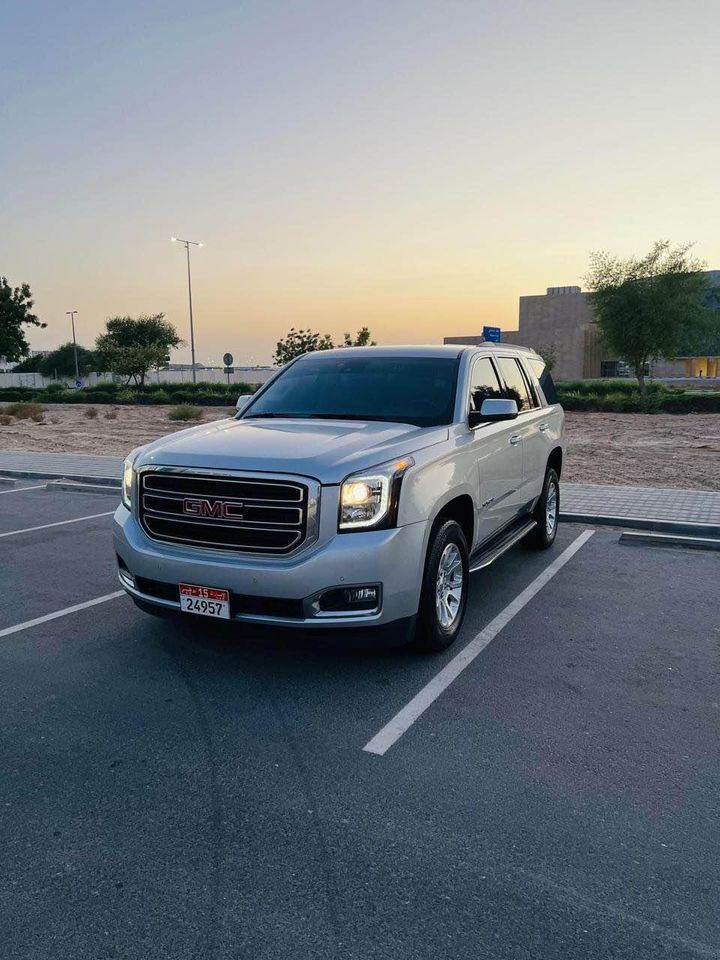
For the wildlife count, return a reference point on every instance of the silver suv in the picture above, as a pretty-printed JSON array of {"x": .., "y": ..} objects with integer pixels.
[{"x": 357, "y": 487}]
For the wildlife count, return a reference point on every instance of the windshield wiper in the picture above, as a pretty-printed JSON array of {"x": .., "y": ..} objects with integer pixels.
[
  {"x": 258, "y": 416},
  {"x": 347, "y": 416}
]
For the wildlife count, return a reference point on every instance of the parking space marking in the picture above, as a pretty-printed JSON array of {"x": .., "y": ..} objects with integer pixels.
[
  {"x": 402, "y": 721},
  {"x": 20, "y": 489},
  {"x": 58, "y": 523},
  {"x": 60, "y": 613}
]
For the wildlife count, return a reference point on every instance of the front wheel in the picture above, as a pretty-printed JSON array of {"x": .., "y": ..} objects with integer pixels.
[
  {"x": 547, "y": 512},
  {"x": 445, "y": 588}
]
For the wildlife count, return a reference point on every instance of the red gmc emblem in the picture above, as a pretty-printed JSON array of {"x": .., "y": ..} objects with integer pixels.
[{"x": 220, "y": 509}]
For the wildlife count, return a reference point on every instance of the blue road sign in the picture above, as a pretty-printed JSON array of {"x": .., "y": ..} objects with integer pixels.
[
  {"x": 78, "y": 384},
  {"x": 493, "y": 334}
]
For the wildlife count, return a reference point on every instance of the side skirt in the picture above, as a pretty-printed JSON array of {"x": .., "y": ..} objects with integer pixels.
[{"x": 502, "y": 542}]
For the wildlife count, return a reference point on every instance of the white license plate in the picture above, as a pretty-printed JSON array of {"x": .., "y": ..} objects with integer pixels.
[{"x": 207, "y": 601}]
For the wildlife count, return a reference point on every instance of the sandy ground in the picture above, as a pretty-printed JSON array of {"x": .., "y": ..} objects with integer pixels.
[{"x": 659, "y": 450}]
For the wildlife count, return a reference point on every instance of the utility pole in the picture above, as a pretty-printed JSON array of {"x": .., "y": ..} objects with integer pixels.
[
  {"x": 71, "y": 314},
  {"x": 188, "y": 244}
]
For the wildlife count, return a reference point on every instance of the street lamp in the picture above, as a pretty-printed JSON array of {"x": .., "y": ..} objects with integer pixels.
[
  {"x": 188, "y": 244},
  {"x": 71, "y": 314}
]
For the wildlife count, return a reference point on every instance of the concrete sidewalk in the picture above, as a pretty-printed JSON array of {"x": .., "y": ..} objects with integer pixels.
[{"x": 642, "y": 507}]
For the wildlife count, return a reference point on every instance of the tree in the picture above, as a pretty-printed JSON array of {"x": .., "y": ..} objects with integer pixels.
[
  {"x": 61, "y": 362},
  {"x": 131, "y": 347},
  {"x": 646, "y": 308},
  {"x": 298, "y": 342},
  {"x": 549, "y": 354},
  {"x": 15, "y": 310},
  {"x": 362, "y": 339},
  {"x": 28, "y": 365}
]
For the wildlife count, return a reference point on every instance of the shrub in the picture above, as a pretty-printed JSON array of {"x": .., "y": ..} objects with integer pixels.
[
  {"x": 38, "y": 417},
  {"x": 111, "y": 414},
  {"x": 125, "y": 396},
  {"x": 24, "y": 410},
  {"x": 160, "y": 396},
  {"x": 5, "y": 421},
  {"x": 91, "y": 413},
  {"x": 185, "y": 412}
]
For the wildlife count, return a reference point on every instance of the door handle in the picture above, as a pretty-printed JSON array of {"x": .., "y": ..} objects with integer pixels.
[
  {"x": 543, "y": 427},
  {"x": 515, "y": 438}
]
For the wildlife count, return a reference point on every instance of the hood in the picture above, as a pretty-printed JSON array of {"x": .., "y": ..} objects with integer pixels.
[{"x": 326, "y": 450}]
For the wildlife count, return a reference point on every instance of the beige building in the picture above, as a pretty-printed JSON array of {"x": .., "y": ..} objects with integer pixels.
[{"x": 560, "y": 321}]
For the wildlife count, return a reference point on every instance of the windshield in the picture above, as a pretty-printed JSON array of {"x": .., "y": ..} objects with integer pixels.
[{"x": 417, "y": 390}]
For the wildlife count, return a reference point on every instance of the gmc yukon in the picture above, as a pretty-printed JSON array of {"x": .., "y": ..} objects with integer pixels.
[{"x": 357, "y": 487}]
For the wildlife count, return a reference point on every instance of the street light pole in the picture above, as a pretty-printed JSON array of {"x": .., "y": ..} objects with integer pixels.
[
  {"x": 71, "y": 314},
  {"x": 188, "y": 244}
]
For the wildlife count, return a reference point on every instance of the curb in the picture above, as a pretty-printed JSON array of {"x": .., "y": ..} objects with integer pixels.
[
  {"x": 645, "y": 523},
  {"x": 78, "y": 478},
  {"x": 83, "y": 487},
  {"x": 669, "y": 540}
]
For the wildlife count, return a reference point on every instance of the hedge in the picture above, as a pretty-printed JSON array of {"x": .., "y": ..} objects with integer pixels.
[
  {"x": 204, "y": 394},
  {"x": 616, "y": 396}
]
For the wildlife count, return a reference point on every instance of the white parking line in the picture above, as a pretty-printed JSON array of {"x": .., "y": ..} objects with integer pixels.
[
  {"x": 60, "y": 613},
  {"x": 402, "y": 721},
  {"x": 20, "y": 489},
  {"x": 58, "y": 523}
]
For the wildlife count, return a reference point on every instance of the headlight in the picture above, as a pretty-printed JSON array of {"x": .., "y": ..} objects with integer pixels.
[
  {"x": 128, "y": 479},
  {"x": 371, "y": 499}
]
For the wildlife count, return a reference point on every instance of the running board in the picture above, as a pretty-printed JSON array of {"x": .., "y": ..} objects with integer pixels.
[{"x": 497, "y": 547}]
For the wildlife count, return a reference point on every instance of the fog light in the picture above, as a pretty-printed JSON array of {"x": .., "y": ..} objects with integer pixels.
[
  {"x": 365, "y": 598},
  {"x": 360, "y": 595},
  {"x": 126, "y": 577}
]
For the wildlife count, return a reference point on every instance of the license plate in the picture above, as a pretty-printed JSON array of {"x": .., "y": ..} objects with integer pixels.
[{"x": 207, "y": 601}]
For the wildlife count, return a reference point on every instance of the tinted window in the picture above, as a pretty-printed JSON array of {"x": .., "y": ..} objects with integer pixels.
[
  {"x": 516, "y": 385},
  {"x": 483, "y": 383},
  {"x": 538, "y": 367},
  {"x": 418, "y": 390}
]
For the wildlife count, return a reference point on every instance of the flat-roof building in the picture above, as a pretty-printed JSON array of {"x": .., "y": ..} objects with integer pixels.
[{"x": 560, "y": 322}]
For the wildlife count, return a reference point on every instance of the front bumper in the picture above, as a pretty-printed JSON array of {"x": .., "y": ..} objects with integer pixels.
[{"x": 392, "y": 558}]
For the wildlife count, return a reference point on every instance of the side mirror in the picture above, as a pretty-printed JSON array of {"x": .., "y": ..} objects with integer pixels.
[
  {"x": 243, "y": 400},
  {"x": 493, "y": 411}
]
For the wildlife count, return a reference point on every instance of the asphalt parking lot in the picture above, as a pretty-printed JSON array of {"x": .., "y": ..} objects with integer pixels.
[{"x": 197, "y": 792}]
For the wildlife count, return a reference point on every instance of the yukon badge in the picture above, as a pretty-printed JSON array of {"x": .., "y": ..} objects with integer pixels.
[{"x": 219, "y": 509}]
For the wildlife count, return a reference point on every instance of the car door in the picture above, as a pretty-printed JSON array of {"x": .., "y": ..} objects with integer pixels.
[
  {"x": 498, "y": 454},
  {"x": 529, "y": 428}
]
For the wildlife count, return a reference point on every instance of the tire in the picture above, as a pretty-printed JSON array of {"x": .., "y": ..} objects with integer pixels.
[
  {"x": 438, "y": 622},
  {"x": 546, "y": 513}
]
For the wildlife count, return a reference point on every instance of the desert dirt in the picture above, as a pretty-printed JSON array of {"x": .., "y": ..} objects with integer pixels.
[{"x": 658, "y": 450}]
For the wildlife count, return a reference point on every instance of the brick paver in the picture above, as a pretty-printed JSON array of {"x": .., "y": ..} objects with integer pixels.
[
  {"x": 651, "y": 503},
  {"x": 583, "y": 499}
]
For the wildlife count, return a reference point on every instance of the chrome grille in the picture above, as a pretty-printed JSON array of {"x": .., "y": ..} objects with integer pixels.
[{"x": 221, "y": 512}]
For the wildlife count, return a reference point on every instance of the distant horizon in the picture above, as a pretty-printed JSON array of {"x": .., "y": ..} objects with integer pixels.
[{"x": 413, "y": 168}]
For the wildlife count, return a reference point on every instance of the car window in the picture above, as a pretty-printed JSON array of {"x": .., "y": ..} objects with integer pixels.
[
  {"x": 538, "y": 366},
  {"x": 516, "y": 387},
  {"x": 417, "y": 390},
  {"x": 484, "y": 383}
]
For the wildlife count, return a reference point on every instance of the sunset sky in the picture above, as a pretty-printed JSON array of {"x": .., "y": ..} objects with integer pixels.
[{"x": 412, "y": 165}]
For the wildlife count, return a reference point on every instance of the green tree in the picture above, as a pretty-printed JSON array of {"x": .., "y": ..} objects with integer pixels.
[
  {"x": 28, "y": 365},
  {"x": 61, "y": 362},
  {"x": 361, "y": 340},
  {"x": 130, "y": 347},
  {"x": 298, "y": 342},
  {"x": 646, "y": 308},
  {"x": 16, "y": 305},
  {"x": 548, "y": 352}
]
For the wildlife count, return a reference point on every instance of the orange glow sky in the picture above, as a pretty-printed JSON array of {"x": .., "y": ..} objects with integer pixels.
[{"x": 412, "y": 166}]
